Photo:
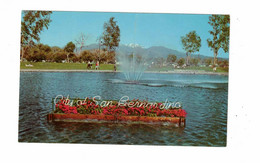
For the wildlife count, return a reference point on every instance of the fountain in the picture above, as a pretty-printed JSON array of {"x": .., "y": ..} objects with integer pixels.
[{"x": 132, "y": 66}]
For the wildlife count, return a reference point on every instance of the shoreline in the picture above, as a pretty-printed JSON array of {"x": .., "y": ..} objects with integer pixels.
[{"x": 195, "y": 72}]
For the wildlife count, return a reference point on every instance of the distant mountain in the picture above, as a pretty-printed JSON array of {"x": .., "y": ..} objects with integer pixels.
[
  {"x": 126, "y": 49},
  {"x": 132, "y": 45},
  {"x": 162, "y": 51},
  {"x": 153, "y": 52}
]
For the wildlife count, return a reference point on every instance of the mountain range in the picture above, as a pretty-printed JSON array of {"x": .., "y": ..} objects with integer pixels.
[{"x": 153, "y": 52}]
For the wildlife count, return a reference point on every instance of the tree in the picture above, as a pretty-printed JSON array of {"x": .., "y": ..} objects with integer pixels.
[
  {"x": 69, "y": 49},
  {"x": 171, "y": 58},
  {"x": 194, "y": 61},
  {"x": 181, "y": 61},
  {"x": 191, "y": 44},
  {"x": 86, "y": 56},
  {"x": 220, "y": 33},
  {"x": 111, "y": 58},
  {"x": 208, "y": 61},
  {"x": 111, "y": 35},
  {"x": 55, "y": 49},
  {"x": 59, "y": 56},
  {"x": 52, "y": 55},
  {"x": 75, "y": 58},
  {"x": 81, "y": 40},
  {"x": 223, "y": 63},
  {"x": 33, "y": 22},
  {"x": 38, "y": 53},
  {"x": 35, "y": 55},
  {"x": 159, "y": 61}
]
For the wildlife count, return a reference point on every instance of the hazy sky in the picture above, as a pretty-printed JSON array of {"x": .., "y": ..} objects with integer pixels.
[{"x": 143, "y": 29}]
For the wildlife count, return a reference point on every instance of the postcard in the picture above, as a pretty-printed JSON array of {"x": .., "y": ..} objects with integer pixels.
[{"x": 124, "y": 78}]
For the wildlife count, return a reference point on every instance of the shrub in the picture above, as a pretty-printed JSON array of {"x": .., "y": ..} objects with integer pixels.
[
  {"x": 171, "y": 58},
  {"x": 208, "y": 61},
  {"x": 38, "y": 53},
  {"x": 35, "y": 55},
  {"x": 194, "y": 61},
  {"x": 86, "y": 56},
  {"x": 181, "y": 61},
  {"x": 59, "y": 57}
]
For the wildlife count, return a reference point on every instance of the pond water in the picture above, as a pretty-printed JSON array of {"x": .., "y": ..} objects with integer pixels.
[{"x": 204, "y": 97}]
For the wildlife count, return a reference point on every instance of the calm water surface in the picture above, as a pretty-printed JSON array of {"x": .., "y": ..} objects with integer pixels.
[{"x": 204, "y": 97}]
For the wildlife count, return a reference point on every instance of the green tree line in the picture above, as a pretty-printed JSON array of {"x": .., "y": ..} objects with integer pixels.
[
  {"x": 41, "y": 52},
  {"x": 193, "y": 61}
]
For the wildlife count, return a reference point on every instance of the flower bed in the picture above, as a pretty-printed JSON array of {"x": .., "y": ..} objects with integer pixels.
[{"x": 114, "y": 111}]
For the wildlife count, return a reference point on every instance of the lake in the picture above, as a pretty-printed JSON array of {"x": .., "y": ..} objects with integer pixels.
[{"x": 204, "y": 97}]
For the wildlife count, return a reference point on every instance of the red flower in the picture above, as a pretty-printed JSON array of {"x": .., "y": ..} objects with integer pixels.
[{"x": 113, "y": 109}]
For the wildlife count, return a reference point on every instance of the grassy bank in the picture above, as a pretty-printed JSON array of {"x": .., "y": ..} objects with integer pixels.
[
  {"x": 63, "y": 66},
  {"x": 83, "y": 66},
  {"x": 192, "y": 68},
  {"x": 207, "y": 69}
]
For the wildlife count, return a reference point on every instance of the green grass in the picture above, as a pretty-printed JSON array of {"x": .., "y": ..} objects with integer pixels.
[
  {"x": 165, "y": 68},
  {"x": 63, "y": 66},
  {"x": 195, "y": 68},
  {"x": 207, "y": 69},
  {"x": 83, "y": 66}
]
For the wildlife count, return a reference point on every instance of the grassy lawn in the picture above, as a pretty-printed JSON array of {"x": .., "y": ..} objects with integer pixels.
[
  {"x": 170, "y": 68},
  {"x": 165, "y": 68},
  {"x": 63, "y": 66},
  {"x": 207, "y": 69},
  {"x": 83, "y": 66}
]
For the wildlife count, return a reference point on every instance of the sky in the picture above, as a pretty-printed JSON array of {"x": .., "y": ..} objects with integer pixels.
[{"x": 145, "y": 29}]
